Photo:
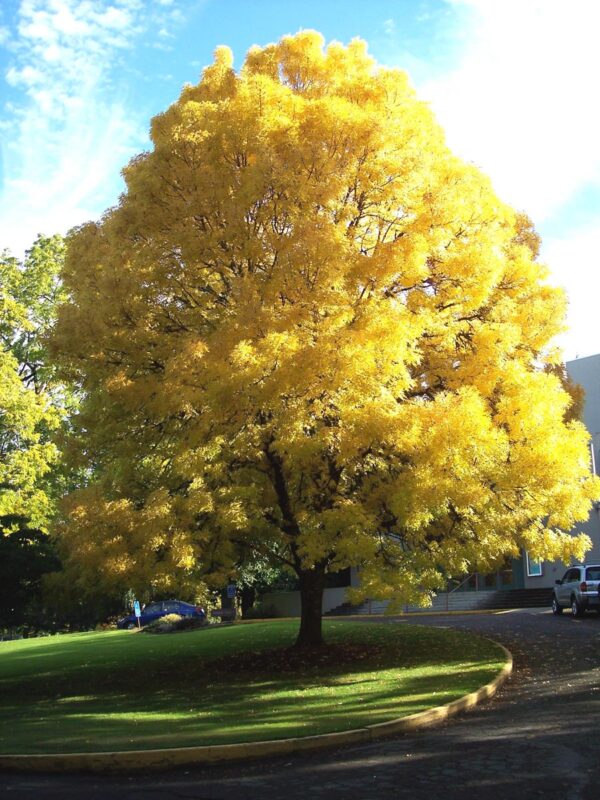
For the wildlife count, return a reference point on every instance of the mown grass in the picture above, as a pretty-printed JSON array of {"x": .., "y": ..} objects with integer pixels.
[{"x": 125, "y": 690}]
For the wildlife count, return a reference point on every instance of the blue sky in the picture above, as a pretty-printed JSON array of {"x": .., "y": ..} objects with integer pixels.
[{"x": 514, "y": 82}]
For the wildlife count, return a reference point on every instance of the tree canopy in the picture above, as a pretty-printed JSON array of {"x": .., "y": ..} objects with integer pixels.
[
  {"x": 29, "y": 292},
  {"x": 31, "y": 412},
  {"x": 309, "y": 330}
]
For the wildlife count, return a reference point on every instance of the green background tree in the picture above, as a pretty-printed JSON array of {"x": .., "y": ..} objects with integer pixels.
[{"x": 33, "y": 408}]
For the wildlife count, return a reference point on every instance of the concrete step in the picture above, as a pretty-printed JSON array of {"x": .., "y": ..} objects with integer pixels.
[{"x": 458, "y": 601}]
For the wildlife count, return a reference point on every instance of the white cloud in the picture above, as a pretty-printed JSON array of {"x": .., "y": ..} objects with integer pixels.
[
  {"x": 521, "y": 103},
  {"x": 28, "y": 76},
  {"x": 70, "y": 132},
  {"x": 117, "y": 18},
  {"x": 575, "y": 264}
]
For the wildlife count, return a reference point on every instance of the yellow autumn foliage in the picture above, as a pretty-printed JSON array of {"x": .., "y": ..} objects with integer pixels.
[{"x": 308, "y": 329}]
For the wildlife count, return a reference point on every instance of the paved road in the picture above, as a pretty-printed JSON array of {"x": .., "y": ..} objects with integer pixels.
[{"x": 539, "y": 737}]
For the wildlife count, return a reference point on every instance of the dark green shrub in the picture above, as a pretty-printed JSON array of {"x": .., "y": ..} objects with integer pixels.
[
  {"x": 261, "y": 611},
  {"x": 171, "y": 623}
]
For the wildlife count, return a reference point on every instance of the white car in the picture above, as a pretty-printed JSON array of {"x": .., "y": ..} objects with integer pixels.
[{"x": 578, "y": 590}]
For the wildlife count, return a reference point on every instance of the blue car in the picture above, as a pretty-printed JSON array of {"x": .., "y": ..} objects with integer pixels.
[{"x": 154, "y": 611}]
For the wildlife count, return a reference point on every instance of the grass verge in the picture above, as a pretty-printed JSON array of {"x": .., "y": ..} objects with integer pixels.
[{"x": 124, "y": 691}]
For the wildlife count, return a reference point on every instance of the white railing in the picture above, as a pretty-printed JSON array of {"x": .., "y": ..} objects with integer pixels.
[
  {"x": 461, "y": 584},
  {"x": 370, "y": 604}
]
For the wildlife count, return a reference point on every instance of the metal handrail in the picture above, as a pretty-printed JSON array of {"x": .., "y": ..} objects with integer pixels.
[
  {"x": 447, "y": 593},
  {"x": 462, "y": 583}
]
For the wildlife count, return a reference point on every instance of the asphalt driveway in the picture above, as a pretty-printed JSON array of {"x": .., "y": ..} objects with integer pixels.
[{"x": 539, "y": 737}]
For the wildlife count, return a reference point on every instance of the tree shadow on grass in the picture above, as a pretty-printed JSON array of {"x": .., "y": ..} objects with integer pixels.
[
  {"x": 186, "y": 702},
  {"x": 243, "y": 712}
]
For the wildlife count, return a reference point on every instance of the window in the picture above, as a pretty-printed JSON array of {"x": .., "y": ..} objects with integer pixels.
[
  {"x": 506, "y": 573},
  {"x": 534, "y": 568},
  {"x": 490, "y": 580},
  {"x": 592, "y": 573}
]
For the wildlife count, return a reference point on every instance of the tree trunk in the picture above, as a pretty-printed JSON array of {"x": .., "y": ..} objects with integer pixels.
[
  {"x": 311, "y": 596},
  {"x": 248, "y": 596}
]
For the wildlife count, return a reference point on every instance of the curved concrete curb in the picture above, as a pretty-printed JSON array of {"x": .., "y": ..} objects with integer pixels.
[{"x": 121, "y": 761}]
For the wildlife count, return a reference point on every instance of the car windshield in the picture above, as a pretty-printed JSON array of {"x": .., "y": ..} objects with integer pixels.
[
  {"x": 152, "y": 608},
  {"x": 593, "y": 573}
]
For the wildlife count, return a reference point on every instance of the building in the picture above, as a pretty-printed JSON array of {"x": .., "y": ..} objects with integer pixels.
[
  {"x": 520, "y": 573},
  {"x": 524, "y": 573},
  {"x": 586, "y": 372}
]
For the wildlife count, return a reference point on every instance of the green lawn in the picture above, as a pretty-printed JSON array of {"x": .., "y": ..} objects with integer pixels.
[{"x": 122, "y": 690}]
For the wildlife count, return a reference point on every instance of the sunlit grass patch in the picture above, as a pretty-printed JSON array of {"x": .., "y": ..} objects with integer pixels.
[{"x": 122, "y": 690}]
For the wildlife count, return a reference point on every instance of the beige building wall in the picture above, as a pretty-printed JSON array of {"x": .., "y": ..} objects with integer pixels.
[{"x": 586, "y": 372}]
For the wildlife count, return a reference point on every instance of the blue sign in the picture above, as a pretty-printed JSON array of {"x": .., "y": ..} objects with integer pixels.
[
  {"x": 136, "y": 609},
  {"x": 231, "y": 591}
]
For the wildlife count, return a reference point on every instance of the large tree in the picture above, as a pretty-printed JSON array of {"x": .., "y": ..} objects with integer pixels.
[
  {"x": 32, "y": 408},
  {"x": 308, "y": 330}
]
